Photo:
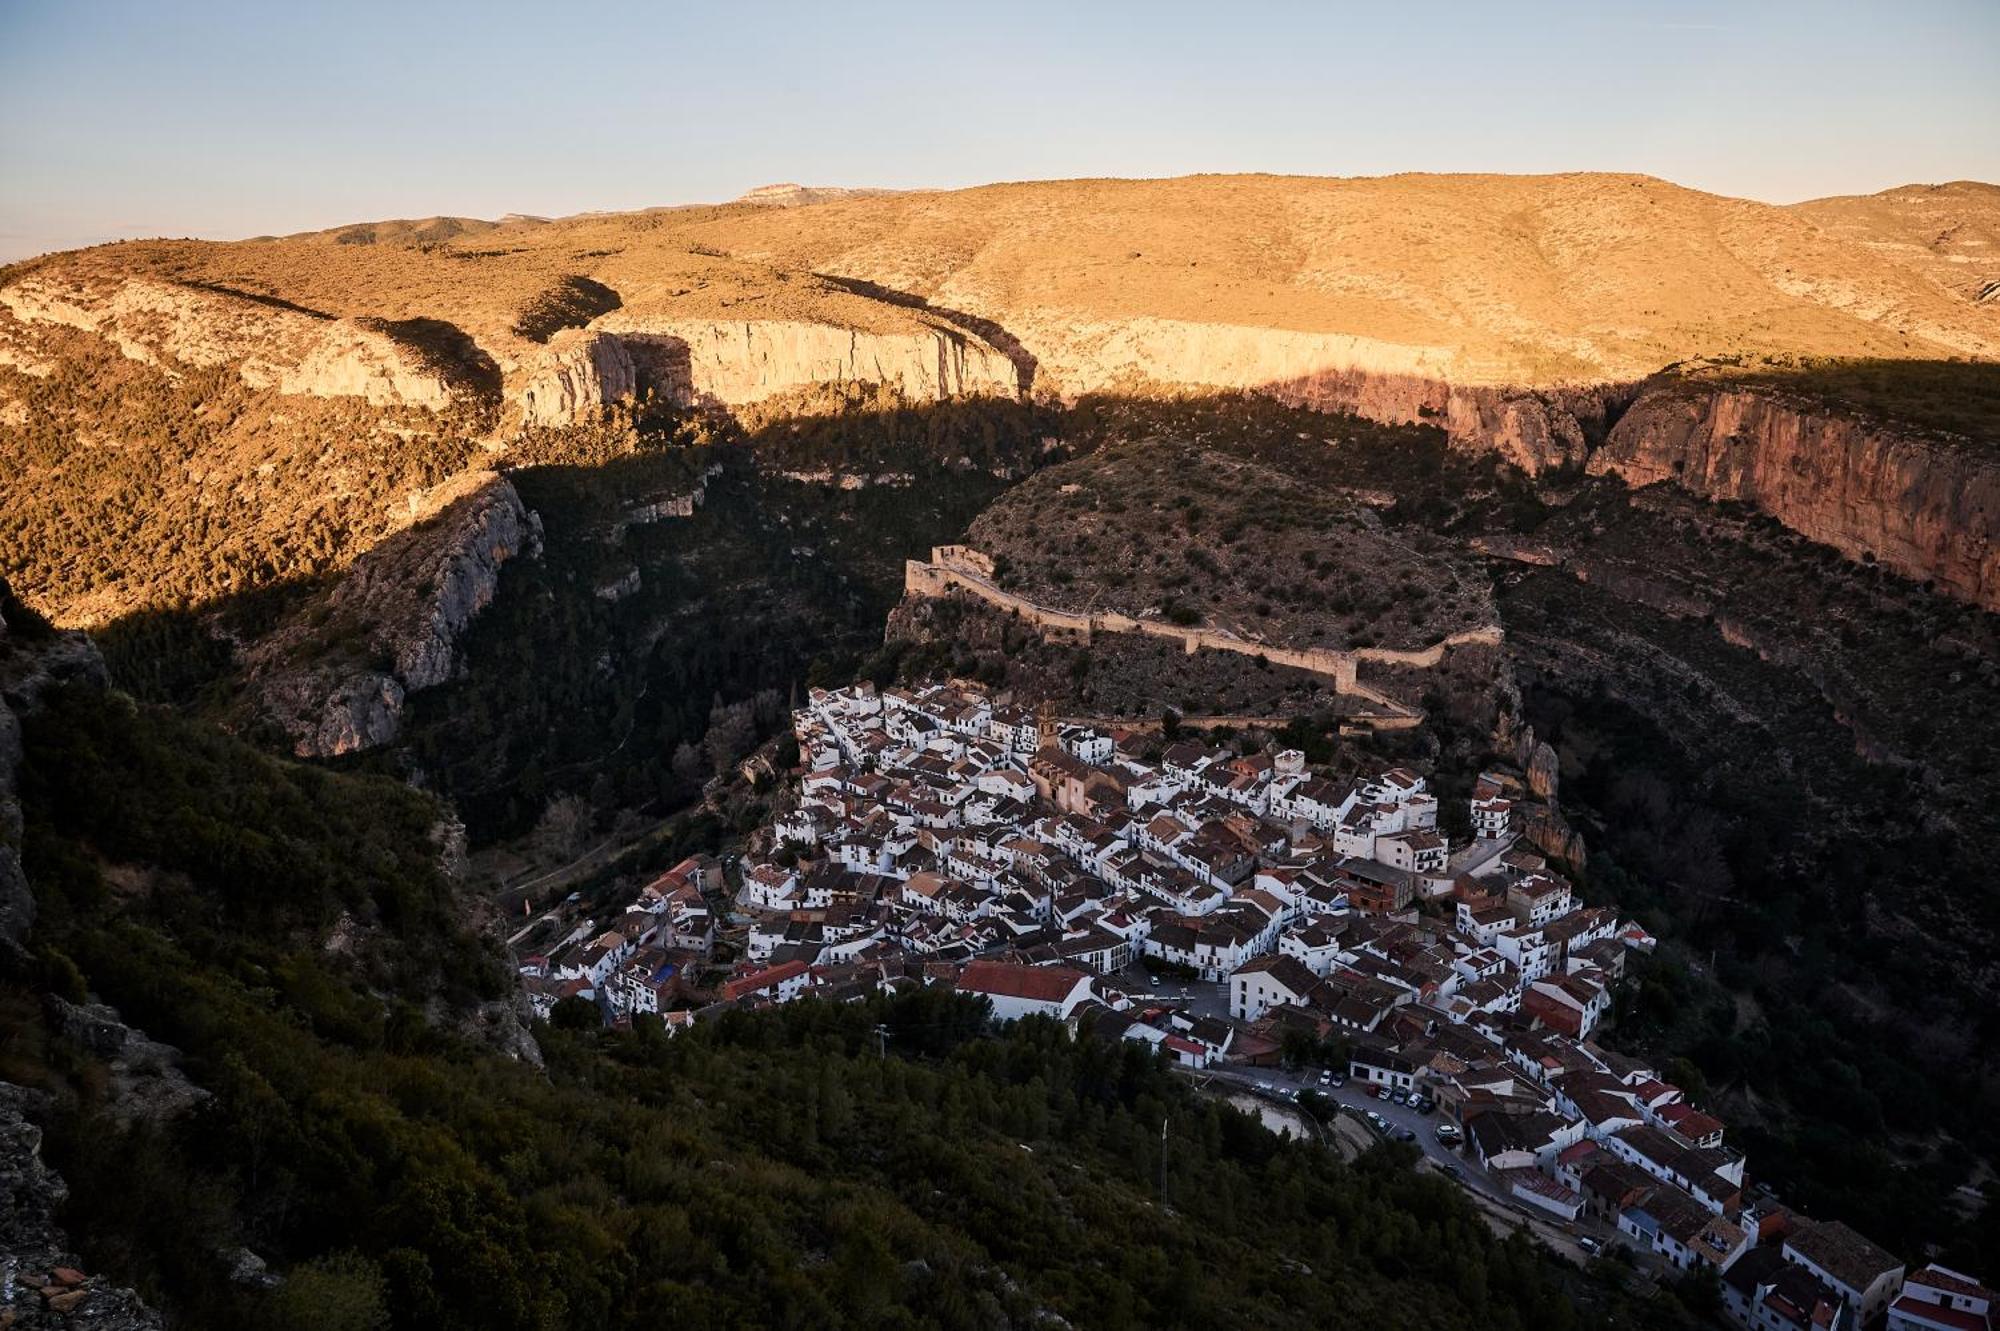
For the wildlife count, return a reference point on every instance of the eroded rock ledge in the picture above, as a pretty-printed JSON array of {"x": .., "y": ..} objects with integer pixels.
[
  {"x": 1926, "y": 508},
  {"x": 705, "y": 363},
  {"x": 273, "y": 345},
  {"x": 336, "y": 675}
]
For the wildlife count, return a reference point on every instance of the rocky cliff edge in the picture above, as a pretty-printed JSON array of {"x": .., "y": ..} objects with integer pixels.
[{"x": 335, "y": 676}]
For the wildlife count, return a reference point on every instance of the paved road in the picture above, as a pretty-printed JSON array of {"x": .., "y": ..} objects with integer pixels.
[
  {"x": 1501, "y": 1209},
  {"x": 1480, "y": 852}
]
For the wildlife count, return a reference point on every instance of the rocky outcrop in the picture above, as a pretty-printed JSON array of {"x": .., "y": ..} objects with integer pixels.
[
  {"x": 273, "y": 345},
  {"x": 144, "y": 1077},
  {"x": 1388, "y": 382},
  {"x": 337, "y": 674},
  {"x": 359, "y": 358},
  {"x": 735, "y": 364},
  {"x": 162, "y": 322},
  {"x": 42, "y": 1282},
  {"x": 1927, "y": 508},
  {"x": 1535, "y": 430},
  {"x": 577, "y": 376},
  {"x": 1544, "y": 828},
  {"x": 1543, "y": 772}
]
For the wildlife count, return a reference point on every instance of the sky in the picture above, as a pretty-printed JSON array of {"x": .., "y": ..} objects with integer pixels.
[{"x": 225, "y": 120}]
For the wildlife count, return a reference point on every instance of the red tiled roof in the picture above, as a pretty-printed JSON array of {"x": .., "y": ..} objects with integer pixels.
[
  {"x": 1041, "y": 984},
  {"x": 1582, "y": 1150},
  {"x": 1953, "y": 1282},
  {"x": 768, "y": 978},
  {"x": 1939, "y": 1315}
]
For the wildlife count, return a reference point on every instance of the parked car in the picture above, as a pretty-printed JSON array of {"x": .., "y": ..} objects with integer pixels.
[
  {"x": 1447, "y": 1133},
  {"x": 1406, "y": 1134},
  {"x": 1452, "y": 1171},
  {"x": 1265, "y": 1087},
  {"x": 1400, "y": 1096},
  {"x": 1380, "y": 1092},
  {"x": 1326, "y": 1078},
  {"x": 1427, "y": 1106},
  {"x": 1339, "y": 1079},
  {"x": 1590, "y": 1245}
]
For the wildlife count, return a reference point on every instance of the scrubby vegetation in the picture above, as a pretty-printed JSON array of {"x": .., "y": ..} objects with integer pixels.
[
  {"x": 767, "y": 1170},
  {"x": 570, "y": 302},
  {"x": 126, "y": 488},
  {"x": 1785, "y": 764},
  {"x": 1162, "y": 527},
  {"x": 1960, "y": 398},
  {"x": 614, "y": 696}
]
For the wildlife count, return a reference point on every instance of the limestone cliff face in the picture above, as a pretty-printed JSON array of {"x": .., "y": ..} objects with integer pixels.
[
  {"x": 577, "y": 375},
  {"x": 735, "y": 364},
  {"x": 738, "y": 363},
  {"x": 1927, "y": 509},
  {"x": 273, "y": 346},
  {"x": 1534, "y": 430},
  {"x": 336, "y": 676},
  {"x": 353, "y": 358},
  {"x": 1392, "y": 383}
]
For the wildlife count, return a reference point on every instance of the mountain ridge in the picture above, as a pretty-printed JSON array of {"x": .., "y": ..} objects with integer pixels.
[{"x": 1521, "y": 314}]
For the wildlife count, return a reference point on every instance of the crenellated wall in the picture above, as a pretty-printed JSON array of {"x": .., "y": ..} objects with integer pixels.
[{"x": 961, "y": 568}]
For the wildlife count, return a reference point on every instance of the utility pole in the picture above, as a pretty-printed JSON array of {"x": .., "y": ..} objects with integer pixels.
[
  {"x": 1163, "y": 1163},
  {"x": 882, "y": 1041}
]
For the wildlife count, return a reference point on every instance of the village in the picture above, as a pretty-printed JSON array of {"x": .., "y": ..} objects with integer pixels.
[{"x": 1268, "y": 927}]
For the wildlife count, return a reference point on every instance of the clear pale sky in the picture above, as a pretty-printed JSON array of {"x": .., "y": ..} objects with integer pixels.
[{"x": 222, "y": 119}]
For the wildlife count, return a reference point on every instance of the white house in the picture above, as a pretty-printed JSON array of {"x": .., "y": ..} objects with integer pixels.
[
  {"x": 1269, "y": 981},
  {"x": 1867, "y": 1276},
  {"x": 1937, "y": 1298},
  {"x": 1491, "y": 818},
  {"x": 1026, "y": 991}
]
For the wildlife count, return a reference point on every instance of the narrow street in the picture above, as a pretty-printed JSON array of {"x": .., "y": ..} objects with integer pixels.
[{"x": 1503, "y": 1211}]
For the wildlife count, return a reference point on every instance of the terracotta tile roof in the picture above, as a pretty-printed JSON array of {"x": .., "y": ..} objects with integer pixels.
[{"x": 1040, "y": 984}]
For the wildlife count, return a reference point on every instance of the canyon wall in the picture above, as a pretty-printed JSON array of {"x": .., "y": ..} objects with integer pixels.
[
  {"x": 1928, "y": 509},
  {"x": 708, "y": 363},
  {"x": 1387, "y": 382},
  {"x": 576, "y": 376},
  {"x": 336, "y": 675},
  {"x": 1536, "y": 430}
]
